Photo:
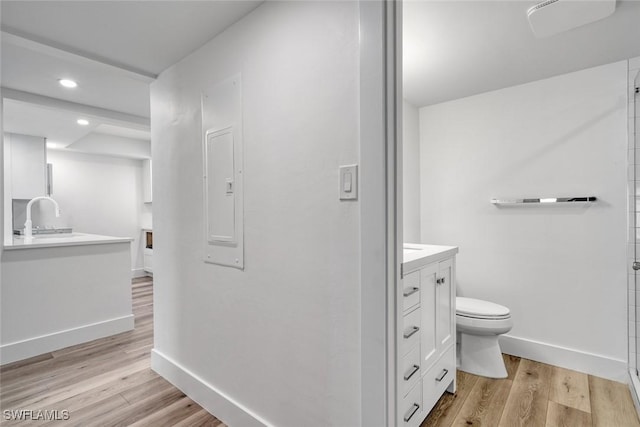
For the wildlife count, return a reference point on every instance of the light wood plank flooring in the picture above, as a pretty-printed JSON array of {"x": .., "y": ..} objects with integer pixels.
[
  {"x": 536, "y": 395},
  {"x": 107, "y": 382}
]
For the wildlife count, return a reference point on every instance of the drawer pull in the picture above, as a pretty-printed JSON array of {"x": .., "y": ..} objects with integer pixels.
[
  {"x": 412, "y": 411},
  {"x": 442, "y": 375},
  {"x": 411, "y": 291},
  {"x": 416, "y": 368},
  {"x": 414, "y": 329}
]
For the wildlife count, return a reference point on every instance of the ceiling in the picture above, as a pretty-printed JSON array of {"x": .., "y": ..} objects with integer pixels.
[
  {"x": 454, "y": 49},
  {"x": 35, "y": 68},
  {"x": 60, "y": 128},
  {"x": 113, "y": 49}
]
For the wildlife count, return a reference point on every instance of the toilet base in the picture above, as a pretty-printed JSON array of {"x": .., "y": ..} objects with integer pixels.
[{"x": 481, "y": 355}]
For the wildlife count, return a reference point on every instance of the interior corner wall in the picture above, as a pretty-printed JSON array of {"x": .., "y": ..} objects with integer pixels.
[
  {"x": 411, "y": 173},
  {"x": 277, "y": 343},
  {"x": 99, "y": 195},
  {"x": 560, "y": 269}
]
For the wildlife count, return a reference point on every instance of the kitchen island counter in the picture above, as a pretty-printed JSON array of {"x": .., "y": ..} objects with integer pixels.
[
  {"x": 63, "y": 239},
  {"x": 63, "y": 290}
]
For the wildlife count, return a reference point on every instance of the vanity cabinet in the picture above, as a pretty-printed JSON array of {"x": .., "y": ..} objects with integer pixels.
[{"x": 426, "y": 343}]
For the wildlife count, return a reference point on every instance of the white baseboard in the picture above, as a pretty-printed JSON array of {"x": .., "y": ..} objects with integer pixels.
[
  {"x": 20, "y": 350},
  {"x": 138, "y": 272},
  {"x": 589, "y": 363},
  {"x": 216, "y": 402}
]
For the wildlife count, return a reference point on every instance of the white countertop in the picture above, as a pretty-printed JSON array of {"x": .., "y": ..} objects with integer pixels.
[
  {"x": 55, "y": 240},
  {"x": 416, "y": 255}
]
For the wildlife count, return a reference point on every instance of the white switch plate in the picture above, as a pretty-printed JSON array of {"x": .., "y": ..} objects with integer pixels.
[{"x": 349, "y": 182}]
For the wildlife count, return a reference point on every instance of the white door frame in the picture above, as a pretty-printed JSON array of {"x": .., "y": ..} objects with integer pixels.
[{"x": 380, "y": 204}]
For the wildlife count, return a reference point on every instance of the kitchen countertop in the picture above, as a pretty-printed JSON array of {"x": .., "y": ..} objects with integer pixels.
[
  {"x": 416, "y": 255},
  {"x": 55, "y": 240}
]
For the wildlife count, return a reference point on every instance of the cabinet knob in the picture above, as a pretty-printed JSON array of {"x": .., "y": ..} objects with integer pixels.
[
  {"x": 438, "y": 281},
  {"x": 442, "y": 281}
]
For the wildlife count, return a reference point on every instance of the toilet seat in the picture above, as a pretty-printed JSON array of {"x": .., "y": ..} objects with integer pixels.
[
  {"x": 477, "y": 326},
  {"x": 479, "y": 309}
]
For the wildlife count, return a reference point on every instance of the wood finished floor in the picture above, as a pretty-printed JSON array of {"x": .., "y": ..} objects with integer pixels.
[
  {"x": 535, "y": 395},
  {"x": 107, "y": 382}
]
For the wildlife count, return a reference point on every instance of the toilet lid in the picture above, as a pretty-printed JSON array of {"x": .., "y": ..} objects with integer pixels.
[{"x": 471, "y": 307}]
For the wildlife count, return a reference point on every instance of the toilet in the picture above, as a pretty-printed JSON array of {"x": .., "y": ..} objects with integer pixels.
[{"x": 479, "y": 323}]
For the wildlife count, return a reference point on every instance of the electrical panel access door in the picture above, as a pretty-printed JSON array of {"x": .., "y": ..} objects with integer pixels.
[{"x": 223, "y": 189}]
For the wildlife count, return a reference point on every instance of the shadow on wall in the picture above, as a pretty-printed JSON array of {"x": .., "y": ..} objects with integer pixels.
[{"x": 549, "y": 148}]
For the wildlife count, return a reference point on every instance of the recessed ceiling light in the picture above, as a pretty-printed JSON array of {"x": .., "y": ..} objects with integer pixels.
[
  {"x": 52, "y": 145},
  {"x": 83, "y": 122},
  {"x": 68, "y": 83}
]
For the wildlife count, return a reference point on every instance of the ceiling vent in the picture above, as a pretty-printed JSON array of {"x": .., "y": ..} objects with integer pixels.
[{"x": 555, "y": 16}]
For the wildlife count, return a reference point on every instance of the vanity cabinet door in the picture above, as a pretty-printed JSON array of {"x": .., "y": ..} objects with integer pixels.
[
  {"x": 445, "y": 311},
  {"x": 428, "y": 305},
  {"x": 438, "y": 313}
]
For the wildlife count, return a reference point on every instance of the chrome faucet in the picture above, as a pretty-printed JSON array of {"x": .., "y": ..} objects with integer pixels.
[{"x": 28, "y": 225}]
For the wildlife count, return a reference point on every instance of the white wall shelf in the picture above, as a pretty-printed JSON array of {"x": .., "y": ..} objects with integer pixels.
[{"x": 547, "y": 200}]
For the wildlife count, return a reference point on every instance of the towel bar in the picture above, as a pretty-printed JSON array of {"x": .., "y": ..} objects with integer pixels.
[{"x": 588, "y": 199}]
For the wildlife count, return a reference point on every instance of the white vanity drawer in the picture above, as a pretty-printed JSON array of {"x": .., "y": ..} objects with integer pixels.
[
  {"x": 410, "y": 331},
  {"x": 410, "y": 369},
  {"x": 439, "y": 377},
  {"x": 411, "y": 407},
  {"x": 410, "y": 290}
]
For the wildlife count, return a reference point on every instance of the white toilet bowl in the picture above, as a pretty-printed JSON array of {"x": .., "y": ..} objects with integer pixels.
[{"x": 479, "y": 323}]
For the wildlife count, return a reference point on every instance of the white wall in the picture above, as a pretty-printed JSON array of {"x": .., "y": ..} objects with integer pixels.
[
  {"x": 561, "y": 270},
  {"x": 100, "y": 195},
  {"x": 277, "y": 343},
  {"x": 410, "y": 173}
]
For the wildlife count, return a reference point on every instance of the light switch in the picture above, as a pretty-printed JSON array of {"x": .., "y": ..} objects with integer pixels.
[{"x": 349, "y": 182}]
